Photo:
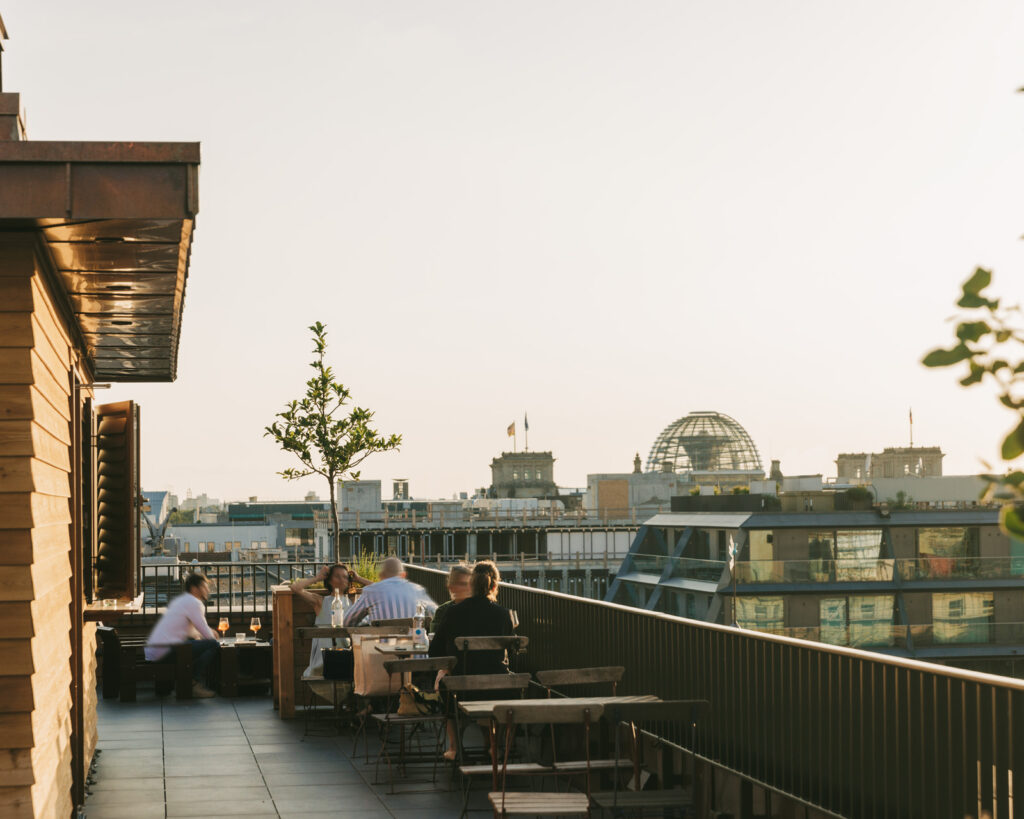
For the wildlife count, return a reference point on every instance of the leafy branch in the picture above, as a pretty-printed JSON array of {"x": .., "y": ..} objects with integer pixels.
[
  {"x": 326, "y": 441},
  {"x": 990, "y": 340}
]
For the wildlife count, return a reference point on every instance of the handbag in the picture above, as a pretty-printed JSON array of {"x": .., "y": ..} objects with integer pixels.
[
  {"x": 415, "y": 703},
  {"x": 339, "y": 664}
]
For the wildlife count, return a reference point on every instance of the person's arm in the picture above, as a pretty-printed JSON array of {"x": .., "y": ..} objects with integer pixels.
[
  {"x": 362, "y": 581},
  {"x": 429, "y": 605},
  {"x": 195, "y": 614},
  {"x": 300, "y": 587},
  {"x": 359, "y": 609}
]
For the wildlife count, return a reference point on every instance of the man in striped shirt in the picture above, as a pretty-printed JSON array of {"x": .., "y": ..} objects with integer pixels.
[{"x": 390, "y": 598}]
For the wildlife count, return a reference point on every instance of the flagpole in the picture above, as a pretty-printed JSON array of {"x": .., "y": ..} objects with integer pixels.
[{"x": 911, "y": 428}]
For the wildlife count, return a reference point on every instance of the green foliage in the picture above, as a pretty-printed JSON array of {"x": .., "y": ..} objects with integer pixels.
[
  {"x": 741, "y": 490},
  {"x": 901, "y": 501},
  {"x": 695, "y": 491},
  {"x": 859, "y": 493},
  {"x": 179, "y": 517},
  {"x": 367, "y": 565},
  {"x": 990, "y": 339},
  {"x": 326, "y": 441}
]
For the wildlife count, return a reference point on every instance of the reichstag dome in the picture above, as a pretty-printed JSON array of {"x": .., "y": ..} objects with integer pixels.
[{"x": 705, "y": 442}]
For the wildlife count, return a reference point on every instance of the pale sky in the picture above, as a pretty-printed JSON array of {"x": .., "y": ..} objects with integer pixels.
[{"x": 606, "y": 214}]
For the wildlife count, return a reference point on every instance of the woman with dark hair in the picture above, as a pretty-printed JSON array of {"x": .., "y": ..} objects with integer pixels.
[
  {"x": 334, "y": 578},
  {"x": 476, "y": 616}
]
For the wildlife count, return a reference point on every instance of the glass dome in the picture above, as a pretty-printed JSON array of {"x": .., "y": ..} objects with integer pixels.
[{"x": 704, "y": 442}]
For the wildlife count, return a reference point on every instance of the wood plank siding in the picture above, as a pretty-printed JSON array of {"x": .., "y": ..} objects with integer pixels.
[{"x": 38, "y": 467}]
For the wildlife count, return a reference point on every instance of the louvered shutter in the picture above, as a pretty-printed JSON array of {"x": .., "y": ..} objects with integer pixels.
[{"x": 117, "y": 499}]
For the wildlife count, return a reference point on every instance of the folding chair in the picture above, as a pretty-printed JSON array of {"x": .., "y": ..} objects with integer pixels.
[
  {"x": 533, "y": 803},
  {"x": 557, "y": 680},
  {"x": 568, "y": 677},
  {"x": 512, "y": 646},
  {"x": 685, "y": 712},
  {"x": 414, "y": 723},
  {"x": 509, "y": 684}
]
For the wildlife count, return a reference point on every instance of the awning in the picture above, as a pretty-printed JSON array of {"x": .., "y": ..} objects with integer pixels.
[{"x": 116, "y": 219}]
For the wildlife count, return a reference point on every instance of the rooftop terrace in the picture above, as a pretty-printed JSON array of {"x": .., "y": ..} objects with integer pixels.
[{"x": 236, "y": 757}]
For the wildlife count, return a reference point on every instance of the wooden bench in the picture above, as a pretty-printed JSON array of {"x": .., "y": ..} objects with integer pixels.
[{"x": 134, "y": 667}]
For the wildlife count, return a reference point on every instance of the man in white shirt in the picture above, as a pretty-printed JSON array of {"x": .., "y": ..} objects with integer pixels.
[
  {"x": 184, "y": 619},
  {"x": 392, "y": 597}
]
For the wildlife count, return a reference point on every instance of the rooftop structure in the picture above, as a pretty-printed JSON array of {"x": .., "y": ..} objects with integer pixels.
[{"x": 704, "y": 443}]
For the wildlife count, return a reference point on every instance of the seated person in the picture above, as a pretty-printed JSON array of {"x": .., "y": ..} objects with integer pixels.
[
  {"x": 458, "y": 589},
  {"x": 334, "y": 578},
  {"x": 183, "y": 620},
  {"x": 476, "y": 616},
  {"x": 392, "y": 597}
]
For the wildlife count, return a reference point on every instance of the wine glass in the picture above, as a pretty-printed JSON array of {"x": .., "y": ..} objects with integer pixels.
[
  {"x": 515, "y": 618},
  {"x": 223, "y": 627},
  {"x": 254, "y": 626}
]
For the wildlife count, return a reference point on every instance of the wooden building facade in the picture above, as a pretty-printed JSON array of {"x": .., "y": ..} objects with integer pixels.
[{"x": 94, "y": 252}]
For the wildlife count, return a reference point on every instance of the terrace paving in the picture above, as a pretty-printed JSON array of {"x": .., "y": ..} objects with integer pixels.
[{"x": 235, "y": 757}]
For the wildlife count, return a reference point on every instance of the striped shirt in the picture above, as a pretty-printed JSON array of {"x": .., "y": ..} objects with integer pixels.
[{"x": 391, "y": 599}]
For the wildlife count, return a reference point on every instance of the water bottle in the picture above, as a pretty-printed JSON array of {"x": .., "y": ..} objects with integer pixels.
[
  {"x": 337, "y": 610},
  {"x": 419, "y": 634}
]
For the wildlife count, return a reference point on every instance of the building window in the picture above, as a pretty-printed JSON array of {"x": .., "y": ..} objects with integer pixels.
[
  {"x": 515, "y": 476},
  {"x": 761, "y": 613},
  {"x": 963, "y": 617},
  {"x": 254, "y": 544}
]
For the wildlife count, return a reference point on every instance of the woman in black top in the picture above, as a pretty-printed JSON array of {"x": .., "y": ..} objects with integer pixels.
[{"x": 477, "y": 616}]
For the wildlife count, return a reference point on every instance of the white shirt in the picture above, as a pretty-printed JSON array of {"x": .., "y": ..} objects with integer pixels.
[{"x": 184, "y": 616}]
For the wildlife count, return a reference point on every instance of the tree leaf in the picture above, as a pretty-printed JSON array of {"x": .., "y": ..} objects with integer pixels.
[
  {"x": 1011, "y": 520},
  {"x": 972, "y": 330},
  {"x": 978, "y": 281},
  {"x": 944, "y": 358},
  {"x": 977, "y": 373},
  {"x": 972, "y": 300},
  {"x": 1013, "y": 445}
]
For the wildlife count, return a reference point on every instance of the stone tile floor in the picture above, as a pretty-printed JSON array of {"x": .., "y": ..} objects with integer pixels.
[{"x": 234, "y": 757}]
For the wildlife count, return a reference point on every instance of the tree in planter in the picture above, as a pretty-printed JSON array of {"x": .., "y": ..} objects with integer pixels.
[
  {"x": 990, "y": 339},
  {"x": 327, "y": 442}
]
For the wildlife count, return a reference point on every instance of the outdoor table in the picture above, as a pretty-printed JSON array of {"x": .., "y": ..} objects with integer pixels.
[
  {"x": 484, "y": 710},
  {"x": 229, "y": 664}
]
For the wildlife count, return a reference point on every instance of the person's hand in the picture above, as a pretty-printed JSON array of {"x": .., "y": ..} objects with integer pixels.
[
  {"x": 322, "y": 574},
  {"x": 437, "y": 680}
]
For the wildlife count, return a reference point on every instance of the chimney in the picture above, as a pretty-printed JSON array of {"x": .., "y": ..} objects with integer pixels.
[{"x": 12, "y": 123}]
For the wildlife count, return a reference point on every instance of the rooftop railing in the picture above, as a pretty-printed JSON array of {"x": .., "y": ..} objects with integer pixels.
[
  {"x": 847, "y": 731},
  {"x": 879, "y": 569}
]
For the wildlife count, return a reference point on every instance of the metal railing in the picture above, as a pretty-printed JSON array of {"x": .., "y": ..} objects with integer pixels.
[
  {"x": 235, "y": 588},
  {"x": 879, "y": 569},
  {"x": 847, "y": 731}
]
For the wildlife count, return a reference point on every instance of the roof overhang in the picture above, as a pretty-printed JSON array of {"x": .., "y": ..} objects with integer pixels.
[{"x": 117, "y": 219}]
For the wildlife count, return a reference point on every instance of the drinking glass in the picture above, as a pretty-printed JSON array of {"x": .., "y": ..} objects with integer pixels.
[
  {"x": 254, "y": 626},
  {"x": 223, "y": 626},
  {"x": 515, "y": 618}
]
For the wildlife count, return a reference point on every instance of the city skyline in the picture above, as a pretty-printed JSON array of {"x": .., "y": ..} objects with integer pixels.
[{"x": 608, "y": 219}]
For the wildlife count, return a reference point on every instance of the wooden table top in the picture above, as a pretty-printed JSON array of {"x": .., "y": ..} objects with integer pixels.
[{"x": 480, "y": 709}]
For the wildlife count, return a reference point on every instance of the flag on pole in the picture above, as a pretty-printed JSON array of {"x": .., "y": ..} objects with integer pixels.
[
  {"x": 526, "y": 422},
  {"x": 911, "y": 415},
  {"x": 511, "y": 429}
]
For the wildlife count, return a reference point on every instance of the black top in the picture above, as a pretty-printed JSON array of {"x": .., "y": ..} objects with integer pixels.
[{"x": 473, "y": 617}]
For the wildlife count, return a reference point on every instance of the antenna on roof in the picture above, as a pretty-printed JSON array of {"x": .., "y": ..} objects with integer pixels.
[{"x": 3, "y": 36}]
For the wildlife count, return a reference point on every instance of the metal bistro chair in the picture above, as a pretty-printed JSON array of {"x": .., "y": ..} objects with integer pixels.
[
  {"x": 458, "y": 686},
  {"x": 679, "y": 712},
  {"x": 556, "y": 681},
  {"x": 535, "y": 803},
  {"x": 513, "y": 646},
  {"x": 415, "y": 722}
]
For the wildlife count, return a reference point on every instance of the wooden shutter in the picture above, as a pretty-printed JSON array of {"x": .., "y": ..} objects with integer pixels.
[
  {"x": 117, "y": 499},
  {"x": 88, "y": 506}
]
